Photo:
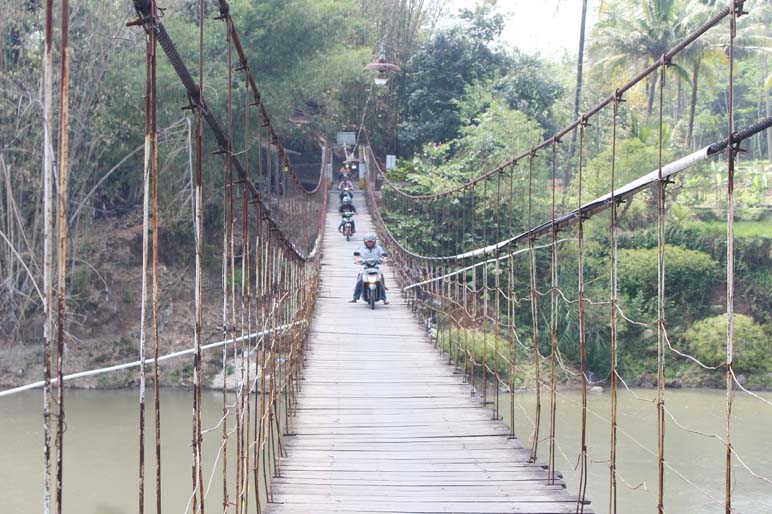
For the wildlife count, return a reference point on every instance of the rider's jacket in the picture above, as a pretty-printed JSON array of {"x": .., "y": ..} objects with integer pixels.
[
  {"x": 376, "y": 252},
  {"x": 347, "y": 208}
]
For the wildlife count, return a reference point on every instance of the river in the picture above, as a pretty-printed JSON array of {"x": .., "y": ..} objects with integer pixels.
[
  {"x": 695, "y": 463},
  {"x": 102, "y": 438}
]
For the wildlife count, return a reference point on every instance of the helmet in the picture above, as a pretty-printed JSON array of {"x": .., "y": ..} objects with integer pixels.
[
  {"x": 369, "y": 238},
  {"x": 346, "y": 200}
]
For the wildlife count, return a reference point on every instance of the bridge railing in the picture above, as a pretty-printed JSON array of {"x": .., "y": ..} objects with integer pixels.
[
  {"x": 489, "y": 285},
  {"x": 270, "y": 257}
]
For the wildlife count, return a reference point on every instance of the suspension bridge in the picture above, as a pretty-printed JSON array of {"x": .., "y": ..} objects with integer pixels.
[{"x": 341, "y": 409}]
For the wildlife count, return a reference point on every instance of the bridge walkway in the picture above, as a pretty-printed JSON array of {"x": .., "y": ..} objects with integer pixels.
[{"x": 384, "y": 425}]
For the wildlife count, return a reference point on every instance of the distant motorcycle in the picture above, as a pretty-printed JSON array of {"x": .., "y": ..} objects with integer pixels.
[
  {"x": 348, "y": 225},
  {"x": 372, "y": 281},
  {"x": 346, "y": 192}
]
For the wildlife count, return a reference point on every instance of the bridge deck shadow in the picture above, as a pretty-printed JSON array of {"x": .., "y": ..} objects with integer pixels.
[{"x": 384, "y": 425}]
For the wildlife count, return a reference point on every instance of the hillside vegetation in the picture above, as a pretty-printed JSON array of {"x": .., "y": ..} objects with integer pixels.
[{"x": 463, "y": 103}]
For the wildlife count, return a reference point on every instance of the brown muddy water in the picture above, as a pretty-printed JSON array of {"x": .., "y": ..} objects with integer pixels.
[
  {"x": 694, "y": 481},
  {"x": 102, "y": 439},
  {"x": 101, "y": 452}
]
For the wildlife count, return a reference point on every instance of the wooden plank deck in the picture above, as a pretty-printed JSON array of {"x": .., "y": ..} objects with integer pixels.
[{"x": 383, "y": 424}]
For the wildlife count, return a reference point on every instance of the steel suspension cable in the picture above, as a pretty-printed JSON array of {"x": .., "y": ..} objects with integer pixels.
[
  {"x": 553, "y": 323},
  {"x": 661, "y": 303},
  {"x": 246, "y": 315},
  {"x": 730, "y": 255},
  {"x": 613, "y": 304},
  {"x": 484, "y": 289},
  {"x": 497, "y": 317},
  {"x": 197, "y": 472},
  {"x": 463, "y": 279},
  {"x": 260, "y": 319},
  {"x": 238, "y": 363},
  {"x": 580, "y": 502},
  {"x": 534, "y": 315},
  {"x": 511, "y": 306},
  {"x": 227, "y": 267}
]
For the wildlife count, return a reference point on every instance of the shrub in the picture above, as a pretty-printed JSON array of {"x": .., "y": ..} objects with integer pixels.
[
  {"x": 752, "y": 346},
  {"x": 689, "y": 277}
]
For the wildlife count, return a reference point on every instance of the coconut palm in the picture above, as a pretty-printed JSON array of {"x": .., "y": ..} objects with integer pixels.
[
  {"x": 706, "y": 50},
  {"x": 632, "y": 34}
]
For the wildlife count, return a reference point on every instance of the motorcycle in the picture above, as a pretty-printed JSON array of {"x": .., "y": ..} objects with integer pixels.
[
  {"x": 372, "y": 281},
  {"x": 348, "y": 225},
  {"x": 344, "y": 175},
  {"x": 346, "y": 193}
]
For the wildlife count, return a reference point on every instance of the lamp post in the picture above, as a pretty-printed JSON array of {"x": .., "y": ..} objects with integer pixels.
[{"x": 382, "y": 67}]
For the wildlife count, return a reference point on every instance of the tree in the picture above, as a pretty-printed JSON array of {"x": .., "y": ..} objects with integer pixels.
[
  {"x": 493, "y": 133},
  {"x": 633, "y": 35},
  {"x": 578, "y": 90},
  {"x": 399, "y": 25},
  {"x": 704, "y": 49},
  {"x": 532, "y": 87},
  {"x": 440, "y": 71}
]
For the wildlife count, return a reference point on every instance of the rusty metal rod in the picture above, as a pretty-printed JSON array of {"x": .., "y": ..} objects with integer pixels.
[
  {"x": 221, "y": 137},
  {"x": 156, "y": 215},
  {"x": 48, "y": 244},
  {"x": 64, "y": 167}
]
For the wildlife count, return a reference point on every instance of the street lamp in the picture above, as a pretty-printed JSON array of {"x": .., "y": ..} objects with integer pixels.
[{"x": 382, "y": 67}]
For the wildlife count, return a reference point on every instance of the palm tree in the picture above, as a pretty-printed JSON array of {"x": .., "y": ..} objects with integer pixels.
[
  {"x": 699, "y": 53},
  {"x": 755, "y": 38},
  {"x": 634, "y": 34},
  {"x": 580, "y": 59},
  {"x": 578, "y": 95}
]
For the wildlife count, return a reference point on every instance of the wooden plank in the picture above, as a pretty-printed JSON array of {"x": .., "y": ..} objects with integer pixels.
[
  {"x": 418, "y": 491},
  {"x": 384, "y": 425},
  {"x": 334, "y": 505}
]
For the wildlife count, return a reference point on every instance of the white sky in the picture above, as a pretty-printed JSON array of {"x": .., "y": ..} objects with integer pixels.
[{"x": 549, "y": 27}]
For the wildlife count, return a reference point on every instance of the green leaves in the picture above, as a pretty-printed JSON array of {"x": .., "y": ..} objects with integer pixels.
[
  {"x": 752, "y": 346},
  {"x": 690, "y": 276},
  {"x": 439, "y": 73}
]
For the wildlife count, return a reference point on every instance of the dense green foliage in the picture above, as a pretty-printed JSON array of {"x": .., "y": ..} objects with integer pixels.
[
  {"x": 463, "y": 104},
  {"x": 307, "y": 58},
  {"x": 752, "y": 346},
  {"x": 498, "y": 115},
  {"x": 438, "y": 73},
  {"x": 689, "y": 276}
]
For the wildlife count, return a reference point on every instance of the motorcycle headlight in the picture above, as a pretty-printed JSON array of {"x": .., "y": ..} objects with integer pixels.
[{"x": 372, "y": 278}]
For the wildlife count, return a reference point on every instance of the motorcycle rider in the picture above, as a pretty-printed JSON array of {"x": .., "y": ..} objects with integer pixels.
[
  {"x": 345, "y": 185},
  {"x": 369, "y": 250},
  {"x": 347, "y": 206}
]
